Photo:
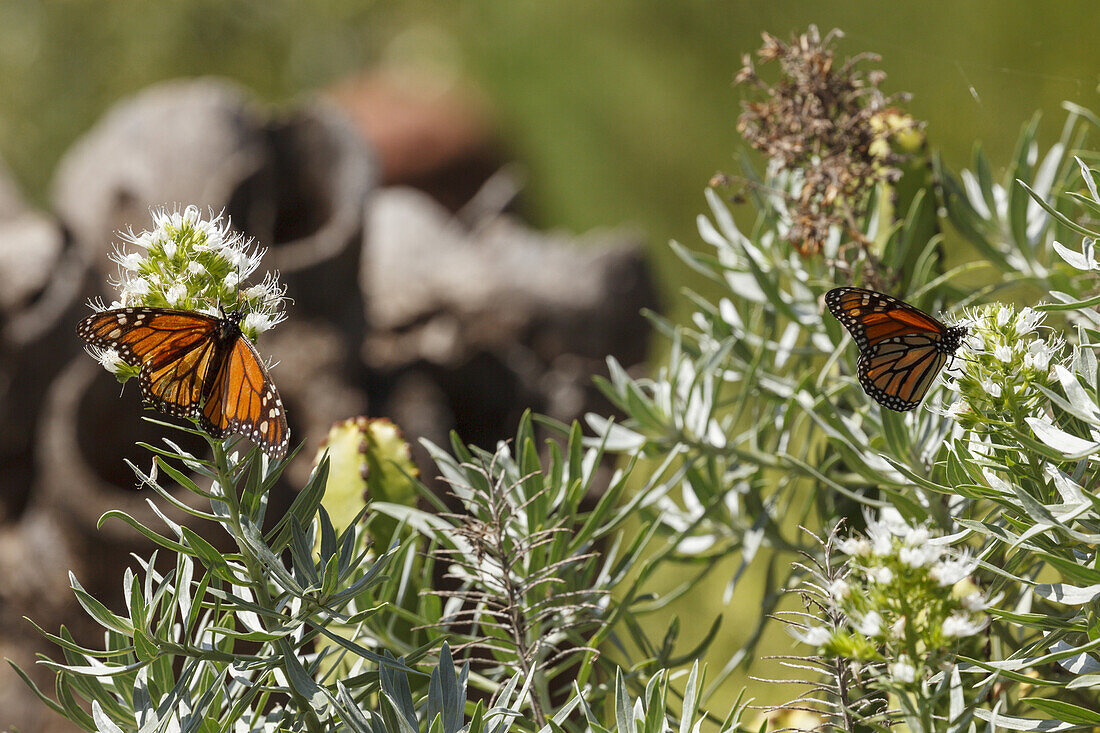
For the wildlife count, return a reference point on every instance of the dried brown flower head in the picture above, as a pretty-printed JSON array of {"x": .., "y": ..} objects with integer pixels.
[{"x": 830, "y": 124}]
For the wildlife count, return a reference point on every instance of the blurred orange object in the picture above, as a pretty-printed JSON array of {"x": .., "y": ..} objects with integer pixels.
[{"x": 429, "y": 133}]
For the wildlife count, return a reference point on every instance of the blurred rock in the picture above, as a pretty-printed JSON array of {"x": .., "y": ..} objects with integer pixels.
[
  {"x": 498, "y": 317},
  {"x": 323, "y": 174},
  {"x": 439, "y": 292},
  {"x": 317, "y": 380},
  {"x": 295, "y": 181},
  {"x": 181, "y": 142},
  {"x": 41, "y": 282},
  {"x": 89, "y": 429},
  {"x": 429, "y": 132},
  {"x": 35, "y": 557},
  {"x": 41, "y": 279}
]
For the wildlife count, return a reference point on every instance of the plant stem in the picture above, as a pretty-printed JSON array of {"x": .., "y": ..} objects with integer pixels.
[{"x": 256, "y": 574}]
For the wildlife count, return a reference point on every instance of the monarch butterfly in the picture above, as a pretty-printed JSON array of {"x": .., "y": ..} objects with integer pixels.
[
  {"x": 196, "y": 366},
  {"x": 901, "y": 348}
]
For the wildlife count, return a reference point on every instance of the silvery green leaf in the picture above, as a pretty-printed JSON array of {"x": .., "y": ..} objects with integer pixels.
[
  {"x": 728, "y": 312},
  {"x": 691, "y": 700},
  {"x": 746, "y": 286},
  {"x": 103, "y": 724},
  {"x": 956, "y": 702},
  {"x": 1042, "y": 182},
  {"x": 709, "y": 234},
  {"x": 1084, "y": 360},
  {"x": 299, "y": 678},
  {"x": 616, "y": 437},
  {"x": 1044, "y": 725},
  {"x": 1067, "y": 594},
  {"x": 1070, "y": 491},
  {"x": 786, "y": 344},
  {"x": 974, "y": 194},
  {"x": 622, "y": 705},
  {"x": 1083, "y": 411},
  {"x": 1060, "y": 440},
  {"x": 1083, "y": 260},
  {"x": 1064, "y": 711},
  {"x": 1084, "y": 682},
  {"x": 1086, "y": 176},
  {"x": 733, "y": 235},
  {"x": 1080, "y": 663}
]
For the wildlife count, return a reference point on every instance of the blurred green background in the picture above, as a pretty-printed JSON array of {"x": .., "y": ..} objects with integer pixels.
[{"x": 620, "y": 112}]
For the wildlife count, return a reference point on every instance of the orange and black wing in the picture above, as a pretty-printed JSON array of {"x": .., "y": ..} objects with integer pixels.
[
  {"x": 873, "y": 317},
  {"x": 897, "y": 374},
  {"x": 174, "y": 350},
  {"x": 901, "y": 348},
  {"x": 242, "y": 399}
]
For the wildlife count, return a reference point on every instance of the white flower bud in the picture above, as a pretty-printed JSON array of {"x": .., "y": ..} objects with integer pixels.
[
  {"x": 176, "y": 294},
  {"x": 107, "y": 358},
  {"x": 855, "y": 547},
  {"x": 870, "y": 624},
  {"x": 258, "y": 291},
  {"x": 975, "y": 602},
  {"x": 138, "y": 287},
  {"x": 258, "y": 322},
  {"x": 1027, "y": 320},
  {"x": 961, "y": 624},
  {"x": 1040, "y": 355},
  {"x": 813, "y": 635},
  {"x": 916, "y": 536},
  {"x": 129, "y": 261},
  {"x": 897, "y": 629},
  {"x": 914, "y": 557},
  {"x": 902, "y": 671},
  {"x": 882, "y": 576},
  {"x": 951, "y": 571}
]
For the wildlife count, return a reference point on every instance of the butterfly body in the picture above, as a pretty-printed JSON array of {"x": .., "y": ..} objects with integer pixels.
[
  {"x": 901, "y": 348},
  {"x": 196, "y": 366}
]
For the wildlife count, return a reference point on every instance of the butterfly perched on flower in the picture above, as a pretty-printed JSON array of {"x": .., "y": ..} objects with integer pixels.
[
  {"x": 901, "y": 348},
  {"x": 196, "y": 366}
]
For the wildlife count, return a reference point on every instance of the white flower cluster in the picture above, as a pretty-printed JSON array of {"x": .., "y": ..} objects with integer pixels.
[
  {"x": 1004, "y": 358},
  {"x": 195, "y": 262},
  {"x": 905, "y": 595}
]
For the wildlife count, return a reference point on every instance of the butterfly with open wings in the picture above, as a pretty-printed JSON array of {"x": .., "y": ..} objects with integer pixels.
[
  {"x": 196, "y": 366},
  {"x": 901, "y": 348}
]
